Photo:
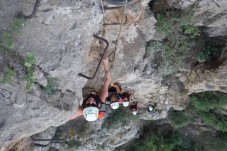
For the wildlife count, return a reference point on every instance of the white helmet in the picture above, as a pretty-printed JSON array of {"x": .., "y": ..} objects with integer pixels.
[
  {"x": 91, "y": 113},
  {"x": 114, "y": 105},
  {"x": 125, "y": 104},
  {"x": 151, "y": 108},
  {"x": 134, "y": 112}
]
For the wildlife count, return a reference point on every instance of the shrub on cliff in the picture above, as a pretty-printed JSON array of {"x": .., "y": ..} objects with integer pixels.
[
  {"x": 179, "y": 119},
  {"x": 208, "y": 106}
]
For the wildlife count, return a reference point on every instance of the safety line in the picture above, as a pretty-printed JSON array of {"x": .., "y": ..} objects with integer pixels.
[{"x": 118, "y": 37}]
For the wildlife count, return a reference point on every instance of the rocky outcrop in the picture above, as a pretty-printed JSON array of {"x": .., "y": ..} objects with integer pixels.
[
  {"x": 212, "y": 16},
  {"x": 61, "y": 37},
  {"x": 208, "y": 13},
  {"x": 108, "y": 138}
]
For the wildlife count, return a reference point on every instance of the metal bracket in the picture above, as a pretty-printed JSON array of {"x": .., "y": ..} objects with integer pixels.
[
  {"x": 45, "y": 140},
  {"x": 35, "y": 9},
  {"x": 107, "y": 45}
]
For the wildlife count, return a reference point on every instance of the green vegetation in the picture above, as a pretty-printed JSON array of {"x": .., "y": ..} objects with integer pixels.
[
  {"x": 8, "y": 75},
  {"x": 73, "y": 143},
  {"x": 163, "y": 23},
  {"x": 29, "y": 60},
  {"x": 179, "y": 119},
  {"x": 159, "y": 138},
  {"x": 82, "y": 130},
  {"x": 207, "y": 101},
  {"x": 116, "y": 117},
  {"x": 59, "y": 133},
  {"x": 178, "y": 45},
  {"x": 121, "y": 115},
  {"x": 72, "y": 133},
  {"x": 218, "y": 121},
  {"x": 156, "y": 142},
  {"x": 208, "y": 53},
  {"x": 68, "y": 134},
  {"x": 189, "y": 30},
  {"x": 176, "y": 20},
  {"x": 51, "y": 87},
  {"x": 17, "y": 25},
  {"x": 7, "y": 46},
  {"x": 29, "y": 63},
  {"x": 6, "y": 41},
  {"x": 208, "y": 105}
]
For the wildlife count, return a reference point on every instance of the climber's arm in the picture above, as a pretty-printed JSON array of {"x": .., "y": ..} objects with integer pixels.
[{"x": 104, "y": 91}]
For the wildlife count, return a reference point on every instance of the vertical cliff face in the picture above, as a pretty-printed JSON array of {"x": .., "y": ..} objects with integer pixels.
[
  {"x": 61, "y": 37},
  {"x": 212, "y": 17}
]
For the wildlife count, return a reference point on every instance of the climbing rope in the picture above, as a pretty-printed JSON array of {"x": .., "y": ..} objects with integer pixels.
[
  {"x": 119, "y": 34},
  {"x": 123, "y": 18}
]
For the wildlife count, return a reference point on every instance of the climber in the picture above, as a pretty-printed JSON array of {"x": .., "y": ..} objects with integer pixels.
[
  {"x": 93, "y": 103},
  {"x": 133, "y": 108},
  {"x": 151, "y": 108},
  {"x": 114, "y": 95},
  {"x": 126, "y": 98}
]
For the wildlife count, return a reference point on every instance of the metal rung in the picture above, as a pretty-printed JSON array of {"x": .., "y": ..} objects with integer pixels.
[{"x": 107, "y": 45}]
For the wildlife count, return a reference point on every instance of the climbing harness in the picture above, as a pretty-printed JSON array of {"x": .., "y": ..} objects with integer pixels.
[
  {"x": 107, "y": 45},
  {"x": 35, "y": 9}
]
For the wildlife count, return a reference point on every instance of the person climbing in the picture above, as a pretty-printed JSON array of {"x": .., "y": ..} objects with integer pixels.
[
  {"x": 114, "y": 97},
  {"x": 93, "y": 103},
  {"x": 151, "y": 108},
  {"x": 133, "y": 108},
  {"x": 126, "y": 98}
]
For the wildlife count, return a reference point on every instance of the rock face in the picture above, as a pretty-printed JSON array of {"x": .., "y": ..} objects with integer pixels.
[
  {"x": 211, "y": 15},
  {"x": 61, "y": 37},
  {"x": 108, "y": 138}
]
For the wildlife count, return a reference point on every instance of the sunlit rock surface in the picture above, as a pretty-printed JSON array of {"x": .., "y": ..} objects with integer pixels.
[{"x": 61, "y": 36}]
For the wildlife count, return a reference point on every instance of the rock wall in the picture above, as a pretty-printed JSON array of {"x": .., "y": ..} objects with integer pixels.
[
  {"x": 212, "y": 16},
  {"x": 61, "y": 36}
]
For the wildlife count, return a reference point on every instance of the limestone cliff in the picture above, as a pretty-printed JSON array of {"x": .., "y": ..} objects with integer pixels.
[{"x": 61, "y": 37}]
